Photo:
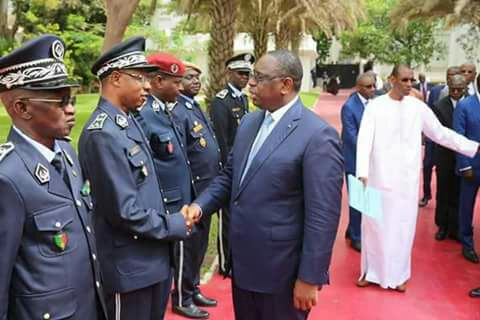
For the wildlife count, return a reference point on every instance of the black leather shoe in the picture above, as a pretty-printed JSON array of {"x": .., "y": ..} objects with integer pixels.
[
  {"x": 470, "y": 255},
  {"x": 191, "y": 311},
  {"x": 441, "y": 234},
  {"x": 356, "y": 245},
  {"x": 202, "y": 301},
  {"x": 423, "y": 202},
  {"x": 475, "y": 293}
]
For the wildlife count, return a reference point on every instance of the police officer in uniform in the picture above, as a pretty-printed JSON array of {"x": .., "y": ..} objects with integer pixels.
[
  {"x": 133, "y": 226},
  {"x": 167, "y": 142},
  {"x": 204, "y": 155},
  {"x": 49, "y": 266},
  {"x": 227, "y": 109}
]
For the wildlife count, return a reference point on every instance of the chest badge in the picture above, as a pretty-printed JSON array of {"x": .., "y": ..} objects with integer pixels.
[
  {"x": 85, "y": 191},
  {"x": 197, "y": 127},
  {"x": 203, "y": 142},
  {"x": 61, "y": 240},
  {"x": 145, "y": 170},
  {"x": 42, "y": 174},
  {"x": 170, "y": 147}
]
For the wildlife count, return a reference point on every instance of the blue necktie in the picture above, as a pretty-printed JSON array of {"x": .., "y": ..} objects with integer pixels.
[{"x": 261, "y": 137}]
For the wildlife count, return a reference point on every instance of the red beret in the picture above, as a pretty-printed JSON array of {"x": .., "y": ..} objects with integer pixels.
[{"x": 167, "y": 63}]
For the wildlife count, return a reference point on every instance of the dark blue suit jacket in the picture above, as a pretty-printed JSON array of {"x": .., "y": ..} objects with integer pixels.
[
  {"x": 466, "y": 121},
  {"x": 434, "y": 95},
  {"x": 352, "y": 112},
  {"x": 284, "y": 216},
  {"x": 39, "y": 279},
  {"x": 131, "y": 223}
]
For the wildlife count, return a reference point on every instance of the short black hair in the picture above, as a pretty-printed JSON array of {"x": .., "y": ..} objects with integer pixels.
[
  {"x": 397, "y": 67},
  {"x": 289, "y": 65}
]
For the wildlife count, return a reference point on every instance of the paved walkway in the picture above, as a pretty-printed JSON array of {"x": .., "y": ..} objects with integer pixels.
[{"x": 437, "y": 291}]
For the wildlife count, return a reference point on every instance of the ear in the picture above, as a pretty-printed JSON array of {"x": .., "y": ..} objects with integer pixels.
[
  {"x": 21, "y": 109},
  {"x": 287, "y": 86},
  {"x": 115, "y": 79}
]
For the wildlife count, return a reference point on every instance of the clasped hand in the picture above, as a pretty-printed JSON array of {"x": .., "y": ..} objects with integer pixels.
[{"x": 192, "y": 215}]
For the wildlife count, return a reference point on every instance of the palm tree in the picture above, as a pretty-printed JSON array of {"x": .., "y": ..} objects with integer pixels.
[
  {"x": 222, "y": 17},
  {"x": 456, "y": 11}
]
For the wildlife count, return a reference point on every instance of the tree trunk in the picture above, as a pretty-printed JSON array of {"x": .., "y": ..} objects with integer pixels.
[
  {"x": 220, "y": 47},
  {"x": 295, "y": 41},
  {"x": 281, "y": 39},
  {"x": 119, "y": 13},
  {"x": 260, "y": 42},
  {"x": 153, "y": 7},
  {"x": 5, "y": 32}
]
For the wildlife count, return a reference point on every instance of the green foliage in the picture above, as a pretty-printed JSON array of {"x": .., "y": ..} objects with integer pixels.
[
  {"x": 323, "y": 46},
  {"x": 469, "y": 41},
  {"x": 80, "y": 23},
  {"x": 376, "y": 38}
]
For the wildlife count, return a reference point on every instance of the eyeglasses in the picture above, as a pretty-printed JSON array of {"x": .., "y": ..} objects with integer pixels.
[
  {"x": 243, "y": 73},
  {"x": 64, "y": 101},
  {"x": 368, "y": 86},
  {"x": 259, "y": 77},
  {"x": 140, "y": 78},
  {"x": 456, "y": 89},
  {"x": 408, "y": 79}
]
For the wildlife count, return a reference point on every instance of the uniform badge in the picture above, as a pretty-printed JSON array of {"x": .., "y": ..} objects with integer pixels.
[
  {"x": 170, "y": 147},
  {"x": 237, "y": 109},
  {"x": 61, "y": 240},
  {"x": 188, "y": 105},
  {"x": 222, "y": 94},
  {"x": 174, "y": 68},
  {"x": 203, "y": 142},
  {"x": 134, "y": 150},
  {"x": 121, "y": 121},
  {"x": 74, "y": 173},
  {"x": 5, "y": 149},
  {"x": 69, "y": 159},
  {"x": 171, "y": 106},
  {"x": 98, "y": 122},
  {"x": 197, "y": 127},
  {"x": 85, "y": 191},
  {"x": 156, "y": 106},
  {"x": 145, "y": 170},
  {"x": 42, "y": 174}
]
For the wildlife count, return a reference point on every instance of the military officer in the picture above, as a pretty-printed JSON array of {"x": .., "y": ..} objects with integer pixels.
[
  {"x": 132, "y": 223},
  {"x": 227, "y": 109},
  {"x": 49, "y": 266},
  {"x": 204, "y": 155},
  {"x": 167, "y": 142}
]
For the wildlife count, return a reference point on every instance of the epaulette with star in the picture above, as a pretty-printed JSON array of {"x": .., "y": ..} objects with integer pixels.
[
  {"x": 98, "y": 122},
  {"x": 5, "y": 149},
  {"x": 222, "y": 94}
]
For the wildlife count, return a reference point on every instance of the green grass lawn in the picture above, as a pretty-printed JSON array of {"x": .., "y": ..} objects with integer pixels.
[{"x": 86, "y": 103}]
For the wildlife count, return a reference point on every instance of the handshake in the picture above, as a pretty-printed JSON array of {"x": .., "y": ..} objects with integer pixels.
[{"x": 192, "y": 215}]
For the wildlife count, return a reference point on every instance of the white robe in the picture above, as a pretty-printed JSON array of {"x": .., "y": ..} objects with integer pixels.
[{"x": 389, "y": 155}]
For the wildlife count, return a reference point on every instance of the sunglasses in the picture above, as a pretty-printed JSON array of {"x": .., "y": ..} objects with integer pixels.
[
  {"x": 140, "y": 78},
  {"x": 64, "y": 101}
]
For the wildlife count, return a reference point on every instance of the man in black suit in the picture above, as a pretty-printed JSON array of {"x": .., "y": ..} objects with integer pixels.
[{"x": 448, "y": 183}]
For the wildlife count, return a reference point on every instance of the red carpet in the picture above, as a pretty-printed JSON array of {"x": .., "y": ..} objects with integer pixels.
[{"x": 438, "y": 289}]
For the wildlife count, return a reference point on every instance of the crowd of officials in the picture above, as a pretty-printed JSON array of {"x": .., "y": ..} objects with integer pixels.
[
  {"x": 104, "y": 235},
  {"x": 455, "y": 103}
]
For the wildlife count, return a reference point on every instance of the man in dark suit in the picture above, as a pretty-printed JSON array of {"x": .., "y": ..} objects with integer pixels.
[
  {"x": 465, "y": 122},
  {"x": 448, "y": 183},
  {"x": 283, "y": 183},
  {"x": 351, "y": 114},
  {"x": 204, "y": 155},
  {"x": 49, "y": 266},
  {"x": 440, "y": 91},
  {"x": 227, "y": 110},
  {"x": 133, "y": 226}
]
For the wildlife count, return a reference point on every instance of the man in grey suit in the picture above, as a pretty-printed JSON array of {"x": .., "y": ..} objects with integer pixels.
[{"x": 283, "y": 183}]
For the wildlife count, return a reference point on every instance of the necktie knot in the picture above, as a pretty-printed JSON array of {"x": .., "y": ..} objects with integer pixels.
[{"x": 57, "y": 162}]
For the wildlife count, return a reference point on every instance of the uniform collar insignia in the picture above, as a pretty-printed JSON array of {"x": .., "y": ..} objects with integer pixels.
[
  {"x": 98, "y": 122},
  {"x": 188, "y": 105},
  {"x": 67, "y": 156},
  {"x": 121, "y": 121},
  {"x": 171, "y": 106},
  {"x": 42, "y": 174},
  {"x": 156, "y": 106},
  {"x": 5, "y": 149}
]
